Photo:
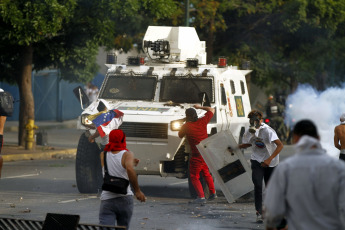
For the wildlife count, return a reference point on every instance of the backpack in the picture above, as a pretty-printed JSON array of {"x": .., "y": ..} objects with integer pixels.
[{"x": 6, "y": 104}]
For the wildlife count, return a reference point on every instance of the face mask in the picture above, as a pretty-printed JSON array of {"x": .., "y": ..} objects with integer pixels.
[{"x": 254, "y": 122}]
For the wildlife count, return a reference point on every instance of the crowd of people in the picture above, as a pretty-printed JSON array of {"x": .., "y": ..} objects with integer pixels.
[{"x": 306, "y": 191}]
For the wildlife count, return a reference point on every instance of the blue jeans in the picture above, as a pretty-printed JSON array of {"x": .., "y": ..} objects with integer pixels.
[{"x": 117, "y": 211}]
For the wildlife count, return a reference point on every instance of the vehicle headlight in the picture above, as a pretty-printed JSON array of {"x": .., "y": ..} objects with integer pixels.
[
  {"x": 85, "y": 120},
  {"x": 176, "y": 124}
]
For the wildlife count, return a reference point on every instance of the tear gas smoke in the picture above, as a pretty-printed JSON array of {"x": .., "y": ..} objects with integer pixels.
[{"x": 323, "y": 108}]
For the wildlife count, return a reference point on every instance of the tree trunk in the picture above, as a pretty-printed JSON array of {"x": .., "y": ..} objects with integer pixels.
[
  {"x": 293, "y": 84},
  {"x": 27, "y": 108},
  {"x": 209, "y": 43},
  {"x": 321, "y": 81}
]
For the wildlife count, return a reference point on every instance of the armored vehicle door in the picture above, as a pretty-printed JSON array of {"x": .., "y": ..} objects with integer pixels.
[
  {"x": 224, "y": 106},
  {"x": 228, "y": 165}
]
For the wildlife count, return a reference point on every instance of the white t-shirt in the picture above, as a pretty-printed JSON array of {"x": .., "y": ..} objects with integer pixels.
[
  {"x": 115, "y": 168},
  {"x": 262, "y": 144}
]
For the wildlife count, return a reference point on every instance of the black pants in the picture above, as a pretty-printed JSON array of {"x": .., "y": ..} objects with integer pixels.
[
  {"x": 258, "y": 174},
  {"x": 342, "y": 156}
]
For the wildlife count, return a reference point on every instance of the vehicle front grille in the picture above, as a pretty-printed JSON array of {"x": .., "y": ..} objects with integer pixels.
[{"x": 145, "y": 130}]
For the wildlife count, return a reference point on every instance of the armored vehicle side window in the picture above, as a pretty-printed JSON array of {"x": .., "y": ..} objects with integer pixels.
[
  {"x": 222, "y": 91},
  {"x": 242, "y": 88},
  {"x": 185, "y": 89},
  {"x": 232, "y": 85},
  {"x": 123, "y": 87}
]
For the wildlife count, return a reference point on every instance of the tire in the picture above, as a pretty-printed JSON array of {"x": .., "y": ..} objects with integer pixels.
[{"x": 88, "y": 168}]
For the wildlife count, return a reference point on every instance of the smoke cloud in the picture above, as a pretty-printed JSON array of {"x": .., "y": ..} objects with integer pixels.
[{"x": 323, "y": 108}]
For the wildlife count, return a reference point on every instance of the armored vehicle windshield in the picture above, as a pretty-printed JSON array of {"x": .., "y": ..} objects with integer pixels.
[
  {"x": 185, "y": 89},
  {"x": 134, "y": 87}
]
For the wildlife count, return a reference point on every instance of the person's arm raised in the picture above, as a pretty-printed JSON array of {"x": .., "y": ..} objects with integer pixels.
[{"x": 206, "y": 108}]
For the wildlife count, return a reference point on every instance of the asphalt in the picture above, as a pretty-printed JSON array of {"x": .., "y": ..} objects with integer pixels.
[{"x": 13, "y": 152}]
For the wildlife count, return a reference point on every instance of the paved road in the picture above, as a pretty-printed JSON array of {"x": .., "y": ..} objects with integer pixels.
[{"x": 30, "y": 189}]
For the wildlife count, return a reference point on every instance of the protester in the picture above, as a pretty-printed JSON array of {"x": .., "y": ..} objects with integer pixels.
[
  {"x": 264, "y": 158},
  {"x": 195, "y": 131},
  {"x": 117, "y": 208},
  {"x": 307, "y": 188},
  {"x": 339, "y": 137},
  {"x": 105, "y": 121},
  {"x": 2, "y": 126}
]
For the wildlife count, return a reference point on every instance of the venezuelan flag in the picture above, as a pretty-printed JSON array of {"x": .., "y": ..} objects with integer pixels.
[{"x": 106, "y": 118}]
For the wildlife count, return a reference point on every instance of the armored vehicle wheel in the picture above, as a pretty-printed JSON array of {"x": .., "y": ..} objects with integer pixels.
[
  {"x": 88, "y": 168},
  {"x": 192, "y": 191}
]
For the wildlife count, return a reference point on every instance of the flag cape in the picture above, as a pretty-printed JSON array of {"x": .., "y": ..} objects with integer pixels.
[{"x": 106, "y": 121}]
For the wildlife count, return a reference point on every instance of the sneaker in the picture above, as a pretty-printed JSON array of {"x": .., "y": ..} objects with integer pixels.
[
  {"x": 198, "y": 201},
  {"x": 212, "y": 197},
  {"x": 259, "y": 218}
]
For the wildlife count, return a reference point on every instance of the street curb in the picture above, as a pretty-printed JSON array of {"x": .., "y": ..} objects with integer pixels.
[
  {"x": 52, "y": 154},
  {"x": 12, "y": 126}
]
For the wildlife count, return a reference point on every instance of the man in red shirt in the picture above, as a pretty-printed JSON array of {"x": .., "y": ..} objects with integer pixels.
[{"x": 195, "y": 131}]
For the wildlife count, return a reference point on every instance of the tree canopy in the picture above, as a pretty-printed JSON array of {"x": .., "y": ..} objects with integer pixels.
[
  {"x": 66, "y": 34},
  {"x": 287, "y": 42}
]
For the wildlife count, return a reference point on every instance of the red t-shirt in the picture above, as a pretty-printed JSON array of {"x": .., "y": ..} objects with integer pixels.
[{"x": 196, "y": 131}]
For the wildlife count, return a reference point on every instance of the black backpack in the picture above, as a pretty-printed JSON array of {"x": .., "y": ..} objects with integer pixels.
[{"x": 6, "y": 104}]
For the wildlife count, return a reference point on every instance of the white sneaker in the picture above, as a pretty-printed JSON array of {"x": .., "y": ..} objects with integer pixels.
[{"x": 259, "y": 218}]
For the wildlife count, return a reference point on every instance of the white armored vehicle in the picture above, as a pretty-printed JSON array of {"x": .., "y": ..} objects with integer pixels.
[{"x": 153, "y": 93}]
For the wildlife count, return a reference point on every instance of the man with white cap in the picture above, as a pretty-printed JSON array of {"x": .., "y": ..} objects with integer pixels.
[{"x": 339, "y": 137}]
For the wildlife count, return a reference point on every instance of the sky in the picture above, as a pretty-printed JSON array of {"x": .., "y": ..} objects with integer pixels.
[{"x": 323, "y": 108}]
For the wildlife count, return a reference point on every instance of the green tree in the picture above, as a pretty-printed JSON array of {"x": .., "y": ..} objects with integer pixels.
[
  {"x": 65, "y": 34},
  {"x": 205, "y": 15},
  {"x": 24, "y": 24},
  {"x": 288, "y": 42},
  {"x": 208, "y": 16}
]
